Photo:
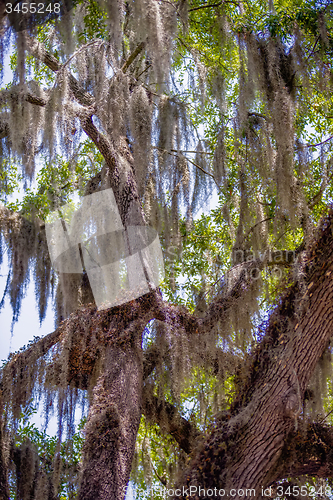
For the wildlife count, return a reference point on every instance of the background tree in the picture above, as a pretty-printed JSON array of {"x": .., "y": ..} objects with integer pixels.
[{"x": 222, "y": 377}]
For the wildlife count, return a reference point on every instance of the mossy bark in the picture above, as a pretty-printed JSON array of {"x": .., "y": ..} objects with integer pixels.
[
  {"x": 112, "y": 426},
  {"x": 4, "y": 490}
]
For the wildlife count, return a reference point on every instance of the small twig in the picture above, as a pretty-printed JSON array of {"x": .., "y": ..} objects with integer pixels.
[
  {"x": 315, "y": 44},
  {"x": 257, "y": 224},
  {"x": 201, "y": 152},
  {"x": 205, "y": 6},
  {"x": 321, "y": 421},
  {"x": 188, "y": 159},
  {"x": 146, "y": 69},
  {"x": 319, "y": 143}
]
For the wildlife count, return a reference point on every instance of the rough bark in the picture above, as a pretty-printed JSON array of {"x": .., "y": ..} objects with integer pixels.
[
  {"x": 116, "y": 407},
  {"x": 112, "y": 426}
]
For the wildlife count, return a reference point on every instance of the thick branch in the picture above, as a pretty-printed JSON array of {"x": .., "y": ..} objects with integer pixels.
[
  {"x": 15, "y": 94},
  {"x": 319, "y": 143},
  {"x": 170, "y": 421},
  {"x": 38, "y": 50},
  {"x": 208, "y": 6},
  {"x": 245, "y": 449},
  {"x": 150, "y": 358},
  {"x": 133, "y": 56},
  {"x": 118, "y": 174},
  {"x": 171, "y": 153},
  {"x": 4, "y": 130}
]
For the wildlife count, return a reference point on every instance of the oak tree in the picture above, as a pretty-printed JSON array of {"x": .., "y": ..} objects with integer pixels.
[{"x": 218, "y": 378}]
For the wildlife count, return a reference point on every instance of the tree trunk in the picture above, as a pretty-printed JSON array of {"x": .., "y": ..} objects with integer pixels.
[
  {"x": 113, "y": 423},
  {"x": 4, "y": 491}
]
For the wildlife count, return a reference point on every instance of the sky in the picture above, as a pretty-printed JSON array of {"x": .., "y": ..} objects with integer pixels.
[{"x": 27, "y": 326}]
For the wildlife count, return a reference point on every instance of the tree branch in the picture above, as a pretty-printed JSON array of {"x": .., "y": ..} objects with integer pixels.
[
  {"x": 133, "y": 56},
  {"x": 188, "y": 159},
  {"x": 317, "y": 197},
  {"x": 33, "y": 99},
  {"x": 297, "y": 335},
  {"x": 319, "y": 143},
  {"x": 255, "y": 225},
  {"x": 205, "y": 6},
  {"x": 119, "y": 174},
  {"x": 38, "y": 50},
  {"x": 37, "y": 349},
  {"x": 125, "y": 314},
  {"x": 170, "y": 421},
  {"x": 15, "y": 93},
  {"x": 150, "y": 358},
  {"x": 4, "y": 489},
  {"x": 307, "y": 452},
  {"x": 4, "y": 130},
  {"x": 113, "y": 422},
  {"x": 213, "y": 5}
]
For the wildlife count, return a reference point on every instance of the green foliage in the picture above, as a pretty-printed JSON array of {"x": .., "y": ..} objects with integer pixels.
[
  {"x": 9, "y": 179},
  {"x": 210, "y": 64},
  {"x": 94, "y": 22},
  {"x": 58, "y": 181},
  {"x": 47, "y": 448},
  {"x": 155, "y": 461}
]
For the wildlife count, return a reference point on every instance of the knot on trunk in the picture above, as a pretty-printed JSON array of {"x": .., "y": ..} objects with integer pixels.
[{"x": 292, "y": 401}]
